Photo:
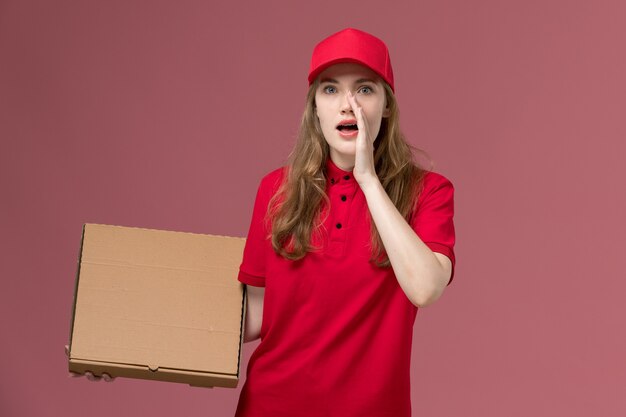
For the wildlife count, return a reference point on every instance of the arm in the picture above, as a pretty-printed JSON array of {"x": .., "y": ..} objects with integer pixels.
[
  {"x": 254, "y": 313},
  {"x": 252, "y": 269},
  {"x": 421, "y": 273}
]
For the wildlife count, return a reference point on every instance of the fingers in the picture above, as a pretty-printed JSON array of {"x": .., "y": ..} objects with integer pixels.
[
  {"x": 90, "y": 376},
  {"x": 356, "y": 109},
  {"x": 361, "y": 120}
]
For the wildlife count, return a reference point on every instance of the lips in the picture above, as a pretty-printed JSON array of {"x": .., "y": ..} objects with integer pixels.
[{"x": 348, "y": 125}]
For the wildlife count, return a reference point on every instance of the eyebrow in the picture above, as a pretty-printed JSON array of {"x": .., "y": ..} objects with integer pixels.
[{"x": 360, "y": 80}]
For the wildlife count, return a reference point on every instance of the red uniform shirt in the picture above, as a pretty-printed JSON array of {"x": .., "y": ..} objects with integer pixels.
[{"x": 337, "y": 330}]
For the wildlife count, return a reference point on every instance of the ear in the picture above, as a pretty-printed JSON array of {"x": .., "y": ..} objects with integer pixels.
[{"x": 386, "y": 112}]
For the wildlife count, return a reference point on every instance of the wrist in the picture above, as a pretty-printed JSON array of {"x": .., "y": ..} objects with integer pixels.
[{"x": 371, "y": 185}]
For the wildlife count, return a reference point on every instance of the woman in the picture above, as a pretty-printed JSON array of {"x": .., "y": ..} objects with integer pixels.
[{"x": 345, "y": 243}]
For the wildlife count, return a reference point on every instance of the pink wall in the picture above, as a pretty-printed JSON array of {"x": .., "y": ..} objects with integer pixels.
[{"x": 166, "y": 115}]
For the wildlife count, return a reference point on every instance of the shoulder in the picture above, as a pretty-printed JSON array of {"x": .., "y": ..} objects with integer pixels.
[
  {"x": 434, "y": 183},
  {"x": 271, "y": 181},
  {"x": 435, "y": 179}
]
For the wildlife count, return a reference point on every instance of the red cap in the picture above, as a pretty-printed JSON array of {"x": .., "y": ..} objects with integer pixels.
[{"x": 352, "y": 45}]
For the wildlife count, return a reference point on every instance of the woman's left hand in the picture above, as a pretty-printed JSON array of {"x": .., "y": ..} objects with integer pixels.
[{"x": 364, "y": 171}]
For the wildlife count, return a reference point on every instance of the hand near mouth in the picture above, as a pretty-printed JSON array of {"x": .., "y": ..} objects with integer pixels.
[{"x": 364, "y": 171}]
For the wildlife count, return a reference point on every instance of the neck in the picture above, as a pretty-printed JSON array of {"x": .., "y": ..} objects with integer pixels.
[{"x": 345, "y": 163}]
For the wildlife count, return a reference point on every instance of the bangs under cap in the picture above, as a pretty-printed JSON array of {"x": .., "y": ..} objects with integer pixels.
[{"x": 352, "y": 45}]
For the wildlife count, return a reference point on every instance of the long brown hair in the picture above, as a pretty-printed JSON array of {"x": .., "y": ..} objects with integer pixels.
[{"x": 295, "y": 210}]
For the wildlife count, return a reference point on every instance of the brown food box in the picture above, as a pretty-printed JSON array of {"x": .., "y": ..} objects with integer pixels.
[{"x": 158, "y": 305}]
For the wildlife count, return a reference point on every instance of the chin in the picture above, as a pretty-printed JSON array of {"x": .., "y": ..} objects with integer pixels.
[{"x": 348, "y": 149}]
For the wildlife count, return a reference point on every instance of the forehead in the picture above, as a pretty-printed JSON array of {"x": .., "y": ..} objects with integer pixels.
[{"x": 349, "y": 71}]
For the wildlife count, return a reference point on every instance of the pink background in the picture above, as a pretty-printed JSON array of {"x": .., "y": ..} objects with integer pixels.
[{"x": 166, "y": 115}]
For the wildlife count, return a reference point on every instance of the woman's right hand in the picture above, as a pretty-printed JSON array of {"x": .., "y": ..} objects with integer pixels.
[{"x": 89, "y": 375}]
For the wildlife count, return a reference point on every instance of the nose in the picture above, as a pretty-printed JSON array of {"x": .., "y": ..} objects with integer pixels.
[{"x": 345, "y": 104}]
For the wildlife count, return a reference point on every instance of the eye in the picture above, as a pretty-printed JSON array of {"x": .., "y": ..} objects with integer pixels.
[
  {"x": 366, "y": 90},
  {"x": 329, "y": 89}
]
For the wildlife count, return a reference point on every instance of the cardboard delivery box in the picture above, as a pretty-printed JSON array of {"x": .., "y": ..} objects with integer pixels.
[{"x": 159, "y": 305}]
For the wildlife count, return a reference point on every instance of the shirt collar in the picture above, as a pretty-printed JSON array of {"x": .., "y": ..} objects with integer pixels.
[{"x": 337, "y": 175}]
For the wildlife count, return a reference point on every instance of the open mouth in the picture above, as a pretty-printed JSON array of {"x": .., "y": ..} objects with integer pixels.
[{"x": 348, "y": 128}]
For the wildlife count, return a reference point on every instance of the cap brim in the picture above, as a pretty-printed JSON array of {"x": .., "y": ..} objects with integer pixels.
[{"x": 313, "y": 75}]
